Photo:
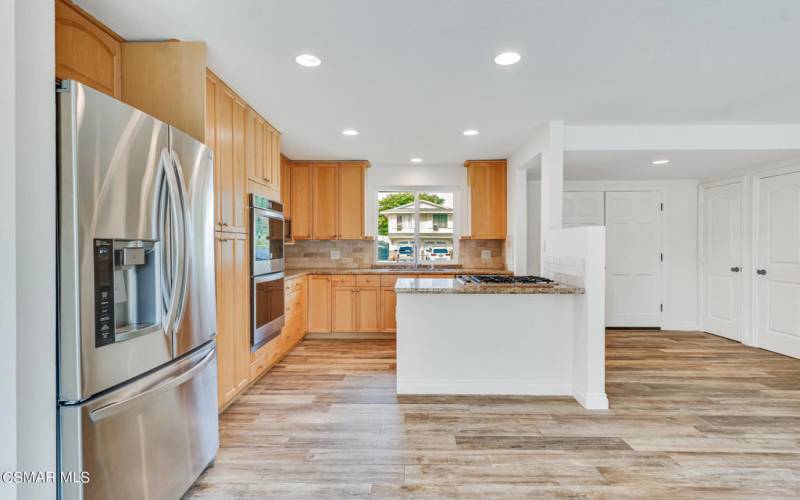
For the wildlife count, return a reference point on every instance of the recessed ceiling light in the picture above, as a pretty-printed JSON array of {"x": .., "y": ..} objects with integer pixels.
[
  {"x": 416, "y": 160},
  {"x": 308, "y": 60},
  {"x": 470, "y": 131},
  {"x": 349, "y": 131},
  {"x": 507, "y": 58},
  {"x": 659, "y": 162}
]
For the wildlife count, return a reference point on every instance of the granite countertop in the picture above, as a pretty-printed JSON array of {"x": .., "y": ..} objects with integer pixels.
[
  {"x": 442, "y": 285},
  {"x": 295, "y": 273}
]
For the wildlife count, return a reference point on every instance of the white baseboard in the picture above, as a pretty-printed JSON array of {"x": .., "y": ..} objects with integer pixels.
[
  {"x": 681, "y": 326},
  {"x": 593, "y": 401},
  {"x": 483, "y": 387}
]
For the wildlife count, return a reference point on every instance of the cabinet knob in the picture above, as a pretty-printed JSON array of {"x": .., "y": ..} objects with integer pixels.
[
  {"x": 735, "y": 269},
  {"x": 761, "y": 272}
]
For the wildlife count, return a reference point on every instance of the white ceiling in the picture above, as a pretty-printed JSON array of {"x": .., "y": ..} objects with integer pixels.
[
  {"x": 636, "y": 165},
  {"x": 411, "y": 75}
]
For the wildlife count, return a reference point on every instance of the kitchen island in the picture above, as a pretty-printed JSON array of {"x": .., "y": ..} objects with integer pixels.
[{"x": 456, "y": 338}]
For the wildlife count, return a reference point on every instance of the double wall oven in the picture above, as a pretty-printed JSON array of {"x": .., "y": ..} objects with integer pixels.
[{"x": 266, "y": 254}]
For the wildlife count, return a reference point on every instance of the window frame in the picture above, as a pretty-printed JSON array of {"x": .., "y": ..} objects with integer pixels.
[{"x": 416, "y": 222}]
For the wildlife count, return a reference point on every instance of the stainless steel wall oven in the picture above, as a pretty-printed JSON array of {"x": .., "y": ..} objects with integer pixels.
[{"x": 266, "y": 253}]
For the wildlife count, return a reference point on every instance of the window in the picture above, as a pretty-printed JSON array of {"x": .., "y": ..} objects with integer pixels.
[{"x": 415, "y": 226}]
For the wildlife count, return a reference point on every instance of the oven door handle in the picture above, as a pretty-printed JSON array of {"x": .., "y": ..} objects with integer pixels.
[{"x": 268, "y": 277}]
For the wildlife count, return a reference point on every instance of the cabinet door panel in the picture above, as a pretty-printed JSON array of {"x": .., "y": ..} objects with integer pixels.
[
  {"x": 319, "y": 304},
  {"x": 369, "y": 304},
  {"x": 286, "y": 187},
  {"x": 351, "y": 201},
  {"x": 276, "y": 161},
  {"x": 487, "y": 183},
  {"x": 239, "y": 185},
  {"x": 388, "y": 306},
  {"x": 343, "y": 316},
  {"x": 324, "y": 204},
  {"x": 85, "y": 52},
  {"x": 301, "y": 201},
  {"x": 241, "y": 279},
  {"x": 252, "y": 143}
]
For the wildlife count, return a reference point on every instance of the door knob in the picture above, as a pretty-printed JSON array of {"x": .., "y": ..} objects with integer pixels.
[
  {"x": 735, "y": 269},
  {"x": 762, "y": 272}
]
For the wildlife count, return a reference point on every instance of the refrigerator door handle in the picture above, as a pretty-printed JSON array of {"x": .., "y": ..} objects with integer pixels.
[
  {"x": 184, "y": 269},
  {"x": 113, "y": 408},
  {"x": 177, "y": 250}
]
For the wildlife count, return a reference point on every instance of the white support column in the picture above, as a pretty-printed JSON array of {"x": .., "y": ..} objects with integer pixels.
[{"x": 552, "y": 215}]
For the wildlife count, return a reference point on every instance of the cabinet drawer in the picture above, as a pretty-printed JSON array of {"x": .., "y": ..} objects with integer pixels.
[
  {"x": 388, "y": 280},
  {"x": 437, "y": 276},
  {"x": 295, "y": 284},
  {"x": 343, "y": 280},
  {"x": 368, "y": 280},
  {"x": 259, "y": 363},
  {"x": 294, "y": 301}
]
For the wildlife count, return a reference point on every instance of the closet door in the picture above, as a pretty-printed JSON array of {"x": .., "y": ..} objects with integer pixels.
[
  {"x": 633, "y": 259},
  {"x": 721, "y": 260},
  {"x": 778, "y": 264}
]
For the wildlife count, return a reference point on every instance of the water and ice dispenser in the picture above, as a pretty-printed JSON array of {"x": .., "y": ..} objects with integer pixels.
[{"x": 126, "y": 289}]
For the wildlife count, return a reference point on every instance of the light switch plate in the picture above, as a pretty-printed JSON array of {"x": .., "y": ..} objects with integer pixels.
[
  {"x": 486, "y": 254},
  {"x": 336, "y": 254}
]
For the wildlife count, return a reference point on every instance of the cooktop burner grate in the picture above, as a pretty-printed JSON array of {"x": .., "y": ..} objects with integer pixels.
[{"x": 500, "y": 279}]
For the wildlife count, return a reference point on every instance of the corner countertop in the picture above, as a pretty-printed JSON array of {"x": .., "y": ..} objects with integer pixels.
[
  {"x": 296, "y": 273},
  {"x": 451, "y": 286}
]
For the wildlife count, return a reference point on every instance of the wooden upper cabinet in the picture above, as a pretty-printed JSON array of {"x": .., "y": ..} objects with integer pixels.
[
  {"x": 230, "y": 112},
  {"x": 86, "y": 51},
  {"x": 324, "y": 194},
  {"x": 300, "y": 196},
  {"x": 212, "y": 82},
  {"x": 487, "y": 187},
  {"x": 252, "y": 145},
  {"x": 286, "y": 186},
  {"x": 351, "y": 201},
  {"x": 166, "y": 80}
]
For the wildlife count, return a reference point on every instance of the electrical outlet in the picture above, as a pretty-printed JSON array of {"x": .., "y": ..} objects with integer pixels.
[
  {"x": 336, "y": 254},
  {"x": 486, "y": 254}
]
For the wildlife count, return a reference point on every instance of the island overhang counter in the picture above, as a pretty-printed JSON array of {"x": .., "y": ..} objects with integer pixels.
[{"x": 455, "y": 338}]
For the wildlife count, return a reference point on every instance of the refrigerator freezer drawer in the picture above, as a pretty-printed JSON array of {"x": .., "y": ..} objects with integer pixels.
[{"x": 149, "y": 439}]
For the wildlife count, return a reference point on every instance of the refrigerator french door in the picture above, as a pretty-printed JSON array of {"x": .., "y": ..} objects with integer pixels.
[{"x": 137, "y": 360}]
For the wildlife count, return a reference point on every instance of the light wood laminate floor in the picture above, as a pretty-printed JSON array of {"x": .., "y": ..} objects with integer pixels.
[{"x": 692, "y": 416}]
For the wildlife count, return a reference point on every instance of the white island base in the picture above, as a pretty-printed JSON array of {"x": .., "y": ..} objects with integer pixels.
[{"x": 496, "y": 343}]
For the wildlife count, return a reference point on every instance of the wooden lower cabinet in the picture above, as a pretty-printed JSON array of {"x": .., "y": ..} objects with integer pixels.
[
  {"x": 343, "y": 310},
  {"x": 233, "y": 313},
  {"x": 319, "y": 304},
  {"x": 388, "y": 306},
  {"x": 368, "y": 307}
]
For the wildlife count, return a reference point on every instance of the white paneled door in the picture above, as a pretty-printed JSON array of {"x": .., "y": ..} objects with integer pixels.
[
  {"x": 721, "y": 255},
  {"x": 633, "y": 259},
  {"x": 584, "y": 208},
  {"x": 778, "y": 264}
]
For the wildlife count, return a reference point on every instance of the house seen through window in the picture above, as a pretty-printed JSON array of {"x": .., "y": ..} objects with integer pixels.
[{"x": 415, "y": 226}]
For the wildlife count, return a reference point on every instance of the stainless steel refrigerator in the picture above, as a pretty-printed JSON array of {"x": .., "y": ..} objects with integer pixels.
[{"x": 137, "y": 368}]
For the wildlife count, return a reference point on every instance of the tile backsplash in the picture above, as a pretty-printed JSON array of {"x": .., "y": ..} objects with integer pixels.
[
  {"x": 568, "y": 270},
  {"x": 353, "y": 254},
  {"x": 360, "y": 254},
  {"x": 470, "y": 251}
]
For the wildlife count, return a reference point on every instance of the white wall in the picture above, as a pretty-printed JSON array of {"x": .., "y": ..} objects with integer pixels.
[
  {"x": 32, "y": 190},
  {"x": 679, "y": 235},
  {"x": 8, "y": 281}
]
